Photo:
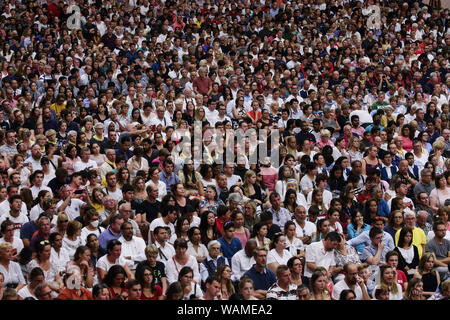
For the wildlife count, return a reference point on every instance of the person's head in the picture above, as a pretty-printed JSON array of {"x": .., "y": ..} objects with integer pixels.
[
  {"x": 409, "y": 217},
  {"x": 426, "y": 263},
  {"x": 73, "y": 228},
  {"x": 228, "y": 230},
  {"x": 439, "y": 229},
  {"x": 347, "y": 294},
  {"x": 42, "y": 291},
  {"x": 246, "y": 287},
  {"x": 351, "y": 273},
  {"x": 332, "y": 240},
  {"x": 381, "y": 292},
  {"x": 260, "y": 256},
  {"x": 116, "y": 222},
  {"x": 114, "y": 248},
  {"x": 101, "y": 292},
  {"x": 115, "y": 277},
  {"x": 387, "y": 275},
  {"x": 318, "y": 282},
  {"x": 414, "y": 289},
  {"x": 376, "y": 236},
  {"x": 303, "y": 292},
  {"x": 134, "y": 289},
  {"x": 278, "y": 242},
  {"x": 180, "y": 246},
  {"x": 283, "y": 275},
  {"x": 174, "y": 291},
  {"x": 212, "y": 284}
]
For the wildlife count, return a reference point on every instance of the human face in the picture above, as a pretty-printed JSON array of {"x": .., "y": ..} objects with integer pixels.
[
  {"x": 320, "y": 283},
  {"x": 116, "y": 251},
  {"x": 410, "y": 221},
  {"x": 388, "y": 275},
  {"x": 429, "y": 264},
  {"x": 352, "y": 274},
  {"x": 226, "y": 274},
  {"x": 247, "y": 291},
  {"x": 281, "y": 244},
  {"x": 261, "y": 258},
  {"x": 285, "y": 277},
  {"x": 213, "y": 289},
  {"x": 180, "y": 252},
  {"x": 46, "y": 294},
  {"x": 118, "y": 279},
  {"x": 103, "y": 294}
]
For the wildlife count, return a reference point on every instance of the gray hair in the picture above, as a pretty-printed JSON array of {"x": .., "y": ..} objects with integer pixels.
[
  {"x": 236, "y": 197},
  {"x": 425, "y": 171},
  {"x": 408, "y": 212},
  {"x": 211, "y": 243}
]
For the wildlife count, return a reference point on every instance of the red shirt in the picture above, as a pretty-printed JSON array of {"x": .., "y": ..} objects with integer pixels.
[
  {"x": 401, "y": 278},
  {"x": 156, "y": 294}
]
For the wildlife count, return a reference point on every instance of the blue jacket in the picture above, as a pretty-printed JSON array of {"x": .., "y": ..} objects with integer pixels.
[{"x": 384, "y": 175}]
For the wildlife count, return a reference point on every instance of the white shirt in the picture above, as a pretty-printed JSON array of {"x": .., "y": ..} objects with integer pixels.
[
  {"x": 316, "y": 253},
  {"x": 104, "y": 264},
  {"x": 25, "y": 293},
  {"x": 202, "y": 250},
  {"x": 36, "y": 164},
  {"x": 173, "y": 269},
  {"x": 116, "y": 195},
  {"x": 295, "y": 245},
  {"x": 273, "y": 256},
  {"x": 59, "y": 260},
  {"x": 231, "y": 181},
  {"x": 35, "y": 190},
  {"x": 327, "y": 197},
  {"x": 159, "y": 222},
  {"x": 164, "y": 253},
  {"x": 13, "y": 275},
  {"x": 17, "y": 243},
  {"x": 341, "y": 286},
  {"x": 71, "y": 246},
  {"x": 240, "y": 264},
  {"x": 85, "y": 232},
  {"x": 162, "y": 189},
  {"x": 36, "y": 211},
  {"x": 135, "y": 248},
  {"x": 308, "y": 230},
  {"x": 306, "y": 183},
  {"x": 73, "y": 208},
  {"x": 80, "y": 165}
]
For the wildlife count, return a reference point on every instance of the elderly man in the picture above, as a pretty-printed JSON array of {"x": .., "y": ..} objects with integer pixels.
[
  {"x": 214, "y": 259},
  {"x": 110, "y": 164},
  {"x": 422, "y": 222},
  {"x": 125, "y": 211}
]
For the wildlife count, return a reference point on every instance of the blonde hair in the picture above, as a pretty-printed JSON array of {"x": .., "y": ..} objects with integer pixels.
[
  {"x": 247, "y": 175},
  {"x": 325, "y": 133},
  {"x": 4, "y": 246},
  {"x": 73, "y": 227}
]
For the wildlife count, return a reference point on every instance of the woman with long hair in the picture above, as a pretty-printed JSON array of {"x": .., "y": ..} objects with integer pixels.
[
  {"x": 414, "y": 291},
  {"x": 290, "y": 201},
  {"x": 153, "y": 174},
  {"x": 191, "y": 289},
  {"x": 317, "y": 200},
  {"x": 115, "y": 280},
  {"x": 370, "y": 210},
  {"x": 208, "y": 228},
  {"x": 370, "y": 161},
  {"x": 293, "y": 244},
  {"x": 226, "y": 285},
  {"x": 349, "y": 205},
  {"x": 62, "y": 221},
  {"x": 344, "y": 253},
  {"x": 388, "y": 277},
  {"x": 427, "y": 274},
  {"x": 69, "y": 158},
  {"x": 182, "y": 228},
  {"x": 383, "y": 207},
  {"x": 150, "y": 290},
  {"x": 195, "y": 247},
  {"x": 336, "y": 180},
  {"x": 440, "y": 194},
  {"x": 284, "y": 175},
  {"x": 319, "y": 288},
  {"x": 278, "y": 254},
  {"x": 123, "y": 177},
  {"x": 72, "y": 239},
  {"x": 250, "y": 189},
  {"x": 407, "y": 135},
  {"x": 259, "y": 235},
  {"x": 191, "y": 179},
  {"x": 408, "y": 254},
  {"x": 323, "y": 227},
  {"x": 240, "y": 231},
  {"x": 395, "y": 222},
  {"x": 356, "y": 228},
  {"x": 295, "y": 265}
]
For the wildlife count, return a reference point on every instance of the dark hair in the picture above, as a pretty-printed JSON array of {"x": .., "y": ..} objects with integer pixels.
[
  {"x": 345, "y": 293},
  {"x": 112, "y": 273},
  {"x": 374, "y": 232},
  {"x": 180, "y": 243},
  {"x": 111, "y": 244},
  {"x": 98, "y": 288},
  {"x": 179, "y": 225},
  {"x": 184, "y": 271},
  {"x": 174, "y": 288},
  {"x": 401, "y": 239},
  {"x": 140, "y": 277},
  {"x": 333, "y": 236},
  {"x": 204, "y": 225}
]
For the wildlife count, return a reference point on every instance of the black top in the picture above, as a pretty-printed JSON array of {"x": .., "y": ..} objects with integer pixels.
[
  {"x": 159, "y": 271},
  {"x": 402, "y": 263},
  {"x": 151, "y": 210},
  {"x": 429, "y": 282}
]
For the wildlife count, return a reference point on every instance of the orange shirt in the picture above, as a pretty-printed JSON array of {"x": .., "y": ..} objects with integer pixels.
[{"x": 69, "y": 294}]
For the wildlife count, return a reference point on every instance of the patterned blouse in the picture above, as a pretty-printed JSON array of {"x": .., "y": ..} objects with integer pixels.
[{"x": 352, "y": 256}]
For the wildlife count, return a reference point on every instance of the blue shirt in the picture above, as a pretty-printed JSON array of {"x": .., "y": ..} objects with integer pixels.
[
  {"x": 353, "y": 234},
  {"x": 388, "y": 241},
  {"x": 229, "y": 249},
  {"x": 107, "y": 236},
  {"x": 168, "y": 180},
  {"x": 261, "y": 281}
]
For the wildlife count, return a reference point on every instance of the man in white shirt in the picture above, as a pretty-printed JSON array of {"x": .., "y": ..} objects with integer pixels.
[
  {"x": 85, "y": 163},
  {"x": 351, "y": 281},
  {"x": 35, "y": 158},
  {"x": 305, "y": 230},
  {"x": 7, "y": 230},
  {"x": 37, "y": 178},
  {"x": 165, "y": 250},
  {"x": 15, "y": 215},
  {"x": 211, "y": 113},
  {"x": 70, "y": 203},
  {"x": 5, "y": 207},
  {"x": 168, "y": 218},
  {"x": 232, "y": 179},
  {"x": 321, "y": 254},
  {"x": 243, "y": 260},
  {"x": 133, "y": 248},
  {"x": 160, "y": 119},
  {"x": 111, "y": 186}
]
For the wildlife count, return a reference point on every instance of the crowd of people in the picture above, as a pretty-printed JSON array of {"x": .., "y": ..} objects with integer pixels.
[{"x": 119, "y": 178}]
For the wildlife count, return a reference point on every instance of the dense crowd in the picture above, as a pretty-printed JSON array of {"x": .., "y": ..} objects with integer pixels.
[{"x": 122, "y": 175}]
